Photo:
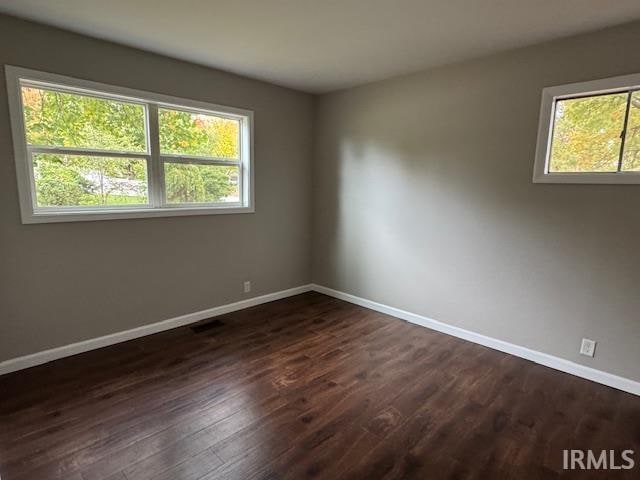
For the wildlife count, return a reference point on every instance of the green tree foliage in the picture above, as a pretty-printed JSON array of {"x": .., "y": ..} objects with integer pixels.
[
  {"x": 70, "y": 180},
  {"x": 59, "y": 184},
  {"x": 189, "y": 183},
  {"x": 586, "y": 136},
  {"x": 76, "y": 121},
  {"x": 186, "y": 133}
]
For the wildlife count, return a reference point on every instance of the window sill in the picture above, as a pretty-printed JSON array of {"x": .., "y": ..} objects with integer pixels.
[
  {"x": 625, "y": 178},
  {"x": 121, "y": 214}
]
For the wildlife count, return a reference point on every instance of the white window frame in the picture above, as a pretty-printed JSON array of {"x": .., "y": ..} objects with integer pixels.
[
  {"x": 550, "y": 96},
  {"x": 158, "y": 207}
]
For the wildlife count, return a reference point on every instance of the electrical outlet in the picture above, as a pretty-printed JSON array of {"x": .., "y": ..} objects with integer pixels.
[
  {"x": 588, "y": 347},
  {"x": 247, "y": 287}
]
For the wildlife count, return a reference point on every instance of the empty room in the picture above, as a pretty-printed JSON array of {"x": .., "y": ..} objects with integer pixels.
[{"x": 305, "y": 239}]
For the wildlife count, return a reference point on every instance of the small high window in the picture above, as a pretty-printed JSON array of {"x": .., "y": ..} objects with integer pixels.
[
  {"x": 88, "y": 151},
  {"x": 590, "y": 132}
]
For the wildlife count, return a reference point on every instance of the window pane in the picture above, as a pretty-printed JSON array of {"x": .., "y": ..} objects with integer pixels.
[
  {"x": 631, "y": 157},
  {"x": 185, "y": 133},
  {"x": 78, "y": 181},
  {"x": 586, "y": 134},
  {"x": 69, "y": 120},
  {"x": 192, "y": 183}
]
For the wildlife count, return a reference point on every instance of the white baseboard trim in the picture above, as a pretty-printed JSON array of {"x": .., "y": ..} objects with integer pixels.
[
  {"x": 45, "y": 356},
  {"x": 545, "y": 359}
]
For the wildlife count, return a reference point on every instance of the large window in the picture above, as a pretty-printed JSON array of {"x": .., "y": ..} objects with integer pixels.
[
  {"x": 590, "y": 132},
  {"x": 88, "y": 151}
]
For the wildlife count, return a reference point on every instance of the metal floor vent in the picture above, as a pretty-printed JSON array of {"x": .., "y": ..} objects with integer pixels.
[{"x": 207, "y": 325}]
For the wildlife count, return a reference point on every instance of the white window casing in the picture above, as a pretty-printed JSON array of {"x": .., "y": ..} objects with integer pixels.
[{"x": 18, "y": 77}]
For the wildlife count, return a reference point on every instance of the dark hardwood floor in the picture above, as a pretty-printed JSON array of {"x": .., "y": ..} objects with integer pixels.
[{"x": 306, "y": 387}]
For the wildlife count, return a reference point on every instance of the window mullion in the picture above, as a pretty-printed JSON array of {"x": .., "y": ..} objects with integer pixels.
[
  {"x": 156, "y": 173},
  {"x": 623, "y": 134},
  {"x": 85, "y": 152},
  {"x": 185, "y": 160}
]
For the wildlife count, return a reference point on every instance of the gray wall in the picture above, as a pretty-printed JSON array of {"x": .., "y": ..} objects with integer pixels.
[
  {"x": 62, "y": 283},
  {"x": 424, "y": 201}
]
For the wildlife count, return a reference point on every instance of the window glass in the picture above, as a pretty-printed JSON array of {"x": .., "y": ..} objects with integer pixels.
[
  {"x": 201, "y": 183},
  {"x": 82, "y": 181},
  {"x": 587, "y": 133},
  {"x": 92, "y": 151},
  {"x": 198, "y": 134},
  {"x": 60, "y": 119}
]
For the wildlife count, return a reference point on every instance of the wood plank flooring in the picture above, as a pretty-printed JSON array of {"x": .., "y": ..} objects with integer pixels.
[{"x": 306, "y": 387}]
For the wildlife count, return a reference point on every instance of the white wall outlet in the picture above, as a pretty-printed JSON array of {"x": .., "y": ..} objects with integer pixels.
[
  {"x": 588, "y": 347},
  {"x": 247, "y": 287}
]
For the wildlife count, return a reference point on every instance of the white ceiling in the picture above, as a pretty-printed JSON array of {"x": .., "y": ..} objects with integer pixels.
[{"x": 323, "y": 45}]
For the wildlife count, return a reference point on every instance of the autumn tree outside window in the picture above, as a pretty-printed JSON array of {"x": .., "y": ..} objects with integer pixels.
[
  {"x": 590, "y": 132},
  {"x": 88, "y": 151}
]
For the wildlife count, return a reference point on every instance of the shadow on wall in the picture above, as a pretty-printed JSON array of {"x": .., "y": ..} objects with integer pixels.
[{"x": 425, "y": 202}]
